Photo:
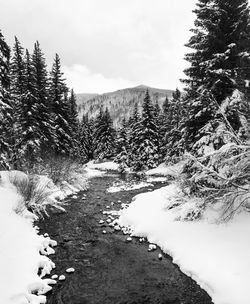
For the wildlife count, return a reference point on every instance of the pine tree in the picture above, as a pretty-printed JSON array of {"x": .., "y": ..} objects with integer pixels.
[
  {"x": 17, "y": 88},
  {"x": 61, "y": 110},
  {"x": 174, "y": 128},
  {"x": 6, "y": 111},
  {"x": 104, "y": 136},
  {"x": 122, "y": 146},
  {"x": 74, "y": 121},
  {"x": 86, "y": 139},
  {"x": 220, "y": 62},
  {"x": 133, "y": 130},
  {"x": 147, "y": 137},
  {"x": 44, "y": 119},
  {"x": 165, "y": 106},
  {"x": 28, "y": 126},
  {"x": 17, "y": 71}
]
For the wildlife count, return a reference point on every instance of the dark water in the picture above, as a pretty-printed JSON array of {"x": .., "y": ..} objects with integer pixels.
[{"x": 109, "y": 270}]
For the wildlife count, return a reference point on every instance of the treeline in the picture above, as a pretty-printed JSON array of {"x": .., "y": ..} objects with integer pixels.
[
  {"x": 38, "y": 113},
  {"x": 141, "y": 142},
  {"x": 39, "y": 116}
]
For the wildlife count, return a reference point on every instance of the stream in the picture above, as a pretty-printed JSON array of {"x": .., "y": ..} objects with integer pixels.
[{"x": 109, "y": 270}]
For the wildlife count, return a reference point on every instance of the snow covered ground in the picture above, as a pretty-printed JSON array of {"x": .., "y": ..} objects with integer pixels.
[
  {"x": 22, "y": 251},
  {"x": 128, "y": 187},
  {"x": 20, "y": 256},
  {"x": 104, "y": 166},
  {"x": 217, "y": 256},
  {"x": 166, "y": 170},
  {"x": 99, "y": 169}
]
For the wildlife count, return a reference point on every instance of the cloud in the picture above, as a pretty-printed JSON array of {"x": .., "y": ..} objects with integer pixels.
[
  {"x": 84, "y": 81},
  {"x": 136, "y": 41}
]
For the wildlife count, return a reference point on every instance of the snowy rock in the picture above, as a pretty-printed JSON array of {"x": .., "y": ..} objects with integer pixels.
[
  {"x": 104, "y": 231},
  {"x": 74, "y": 196},
  {"x": 108, "y": 220},
  {"x": 101, "y": 222},
  {"x": 160, "y": 256},
  {"x": 152, "y": 247},
  {"x": 70, "y": 270},
  {"x": 45, "y": 235},
  {"x": 141, "y": 240},
  {"x": 108, "y": 207},
  {"x": 62, "y": 277},
  {"x": 129, "y": 239},
  {"x": 117, "y": 228},
  {"x": 54, "y": 277}
]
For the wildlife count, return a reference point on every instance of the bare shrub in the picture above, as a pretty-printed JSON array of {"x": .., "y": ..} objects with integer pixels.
[
  {"x": 60, "y": 169},
  {"x": 35, "y": 194}
]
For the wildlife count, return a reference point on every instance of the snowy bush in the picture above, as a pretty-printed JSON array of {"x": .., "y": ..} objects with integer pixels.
[
  {"x": 221, "y": 176},
  {"x": 35, "y": 192}
]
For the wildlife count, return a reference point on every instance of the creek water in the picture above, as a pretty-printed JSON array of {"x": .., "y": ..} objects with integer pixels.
[{"x": 108, "y": 270}]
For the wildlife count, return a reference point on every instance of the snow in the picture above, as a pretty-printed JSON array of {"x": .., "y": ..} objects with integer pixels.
[
  {"x": 217, "y": 256},
  {"x": 70, "y": 270},
  {"x": 104, "y": 166},
  {"x": 166, "y": 170},
  {"x": 20, "y": 249},
  {"x": 62, "y": 277},
  {"x": 128, "y": 187}
]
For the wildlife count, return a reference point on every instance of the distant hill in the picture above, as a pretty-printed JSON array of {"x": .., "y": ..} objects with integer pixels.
[
  {"x": 82, "y": 97},
  {"x": 120, "y": 103}
]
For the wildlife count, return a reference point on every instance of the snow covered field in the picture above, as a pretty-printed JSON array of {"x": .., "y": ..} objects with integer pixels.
[{"x": 217, "y": 256}]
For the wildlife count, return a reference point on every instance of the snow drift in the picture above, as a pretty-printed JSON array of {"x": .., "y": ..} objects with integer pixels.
[
  {"x": 23, "y": 253},
  {"x": 217, "y": 256}
]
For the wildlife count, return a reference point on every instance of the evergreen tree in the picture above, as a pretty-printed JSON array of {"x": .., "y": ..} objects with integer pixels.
[
  {"x": 104, "y": 136},
  {"x": 86, "y": 139},
  {"x": 147, "y": 137},
  {"x": 174, "y": 128},
  {"x": 28, "y": 126},
  {"x": 165, "y": 106},
  {"x": 122, "y": 147},
  {"x": 74, "y": 121},
  {"x": 61, "y": 110},
  {"x": 133, "y": 130},
  {"x": 220, "y": 62},
  {"x": 17, "y": 88},
  {"x": 17, "y": 73},
  {"x": 6, "y": 112},
  {"x": 44, "y": 119}
]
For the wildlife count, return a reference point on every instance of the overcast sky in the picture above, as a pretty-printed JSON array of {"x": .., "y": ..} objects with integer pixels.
[{"x": 106, "y": 45}]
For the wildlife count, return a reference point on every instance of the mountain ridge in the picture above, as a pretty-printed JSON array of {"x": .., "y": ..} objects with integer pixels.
[{"x": 120, "y": 103}]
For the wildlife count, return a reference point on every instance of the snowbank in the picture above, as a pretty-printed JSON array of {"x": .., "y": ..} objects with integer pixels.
[
  {"x": 166, "y": 170},
  {"x": 128, "y": 187},
  {"x": 105, "y": 166},
  {"x": 217, "y": 256},
  {"x": 20, "y": 256},
  {"x": 20, "y": 252},
  {"x": 99, "y": 169}
]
